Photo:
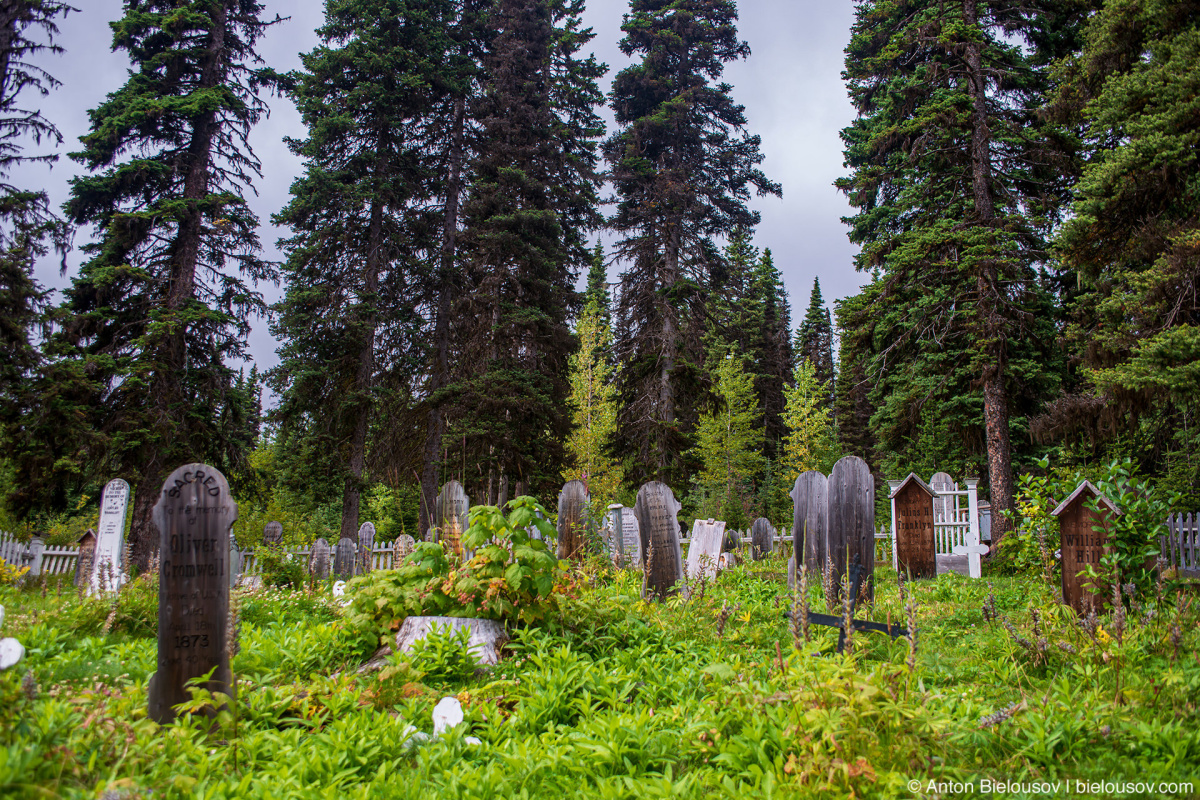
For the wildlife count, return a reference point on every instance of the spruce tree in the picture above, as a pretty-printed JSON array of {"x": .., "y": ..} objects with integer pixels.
[
  {"x": 597, "y": 287},
  {"x": 593, "y": 405},
  {"x": 162, "y": 305},
  {"x": 814, "y": 342},
  {"x": 810, "y": 443},
  {"x": 683, "y": 168},
  {"x": 956, "y": 180},
  {"x": 371, "y": 94},
  {"x": 532, "y": 202},
  {"x": 773, "y": 351}
]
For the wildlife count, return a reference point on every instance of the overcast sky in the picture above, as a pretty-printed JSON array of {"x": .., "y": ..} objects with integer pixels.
[{"x": 791, "y": 87}]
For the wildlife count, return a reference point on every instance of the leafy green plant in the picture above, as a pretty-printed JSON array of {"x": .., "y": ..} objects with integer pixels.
[
  {"x": 444, "y": 656},
  {"x": 279, "y": 567},
  {"x": 1133, "y": 535}
]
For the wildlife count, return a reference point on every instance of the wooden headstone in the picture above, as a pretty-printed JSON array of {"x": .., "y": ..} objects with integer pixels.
[
  {"x": 943, "y": 507},
  {"x": 405, "y": 544},
  {"x": 273, "y": 534},
  {"x": 704, "y": 552},
  {"x": 343, "y": 558},
  {"x": 194, "y": 514},
  {"x": 658, "y": 527},
  {"x": 572, "y": 507},
  {"x": 318, "y": 560},
  {"x": 366, "y": 548},
  {"x": 1084, "y": 541},
  {"x": 453, "y": 505},
  {"x": 916, "y": 549},
  {"x": 762, "y": 539},
  {"x": 852, "y": 520},
  {"x": 235, "y": 562},
  {"x": 87, "y": 557},
  {"x": 107, "y": 575},
  {"x": 810, "y": 520}
]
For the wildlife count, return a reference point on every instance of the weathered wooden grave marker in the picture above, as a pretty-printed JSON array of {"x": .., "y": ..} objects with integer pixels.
[
  {"x": 318, "y": 559},
  {"x": 1084, "y": 541},
  {"x": 366, "y": 548},
  {"x": 343, "y": 558},
  {"x": 658, "y": 526},
  {"x": 810, "y": 520},
  {"x": 572, "y": 510},
  {"x": 405, "y": 544},
  {"x": 943, "y": 505},
  {"x": 852, "y": 519},
  {"x": 108, "y": 557},
  {"x": 836, "y": 621},
  {"x": 194, "y": 514},
  {"x": 762, "y": 538},
  {"x": 235, "y": 561},
  {"x": 87, "y": 557},
  {"x": 704, "y": 552},
  {"x": 273, "y": 534},
  {"x": 912, "y": 508},
  {"x": 451, "y": 514}
]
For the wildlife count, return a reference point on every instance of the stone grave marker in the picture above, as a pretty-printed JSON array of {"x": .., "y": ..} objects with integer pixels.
[
  {"x": 343, "y": 558},
  {"x": 762, "y": 538},
  {"x": 622, "y": 538},
  {"x": 1084, "y": 541},
  {"x": 572, "y": 509},
  {"x": 658, "y": 527},
  {"x": 405, "y": 544},
  {"x": 704, "y": 552},
  {"x": 194, "y": 514},
  {"x": 810, "y": 520},
  {"x": 916, "y": 549},
  {"x": 273, "y": 534},
  {"x": 318, "y": 559},
  {"x": 943, "y": 507},
  {"x": 87, "y": 557},
  {"x": 366, "y": 548},
  {"x": 108, "y": 558},
  {"x": 235, "y": 561},
  {"x": 852, "y": 520}
]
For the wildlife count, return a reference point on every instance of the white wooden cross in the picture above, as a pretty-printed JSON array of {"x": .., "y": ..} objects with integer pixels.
[{"x": 972, "y": 552}]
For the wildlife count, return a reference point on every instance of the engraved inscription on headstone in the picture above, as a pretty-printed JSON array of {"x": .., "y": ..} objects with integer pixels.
[
  {"x": 704, "y": 552},
  {"x": 366, "y": 548},
  {"x": 318, "y": 560},
  {"x": 658, "y": 526},
  {"x": 110, "y": 538},
  {"x": 810, "y": 520},
  {"x": 273, "y": 534},
  {"x": 852, "y": 519},
  {"x": 762, "y": 538},
  {"x": 453, "y": 505},
  {"x": 343, "y": 558},
  {"x": 916, "y": 549},
  {"x": 572, "y": 508},
  {"x": 194, "y": 514},
  {"x": 1084, "y": 542},
  {"x": 405, "y": 544}
]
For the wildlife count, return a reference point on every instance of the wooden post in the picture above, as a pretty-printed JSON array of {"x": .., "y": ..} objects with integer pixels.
[
  {"x": 194, "y": 514},
  {"x": 1084, "y": 542},
  {"x": 37, "y": 548},
  {"x": 912, "y": 515},
  {"x": 892, "y": 487}
]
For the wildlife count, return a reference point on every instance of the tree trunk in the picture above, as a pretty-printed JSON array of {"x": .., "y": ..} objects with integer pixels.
[
  {"x": 439, "y": 375},
  {"x": 166, "y": 391},
  {"x": 669, "y": 354},
  {"x": 995, "y": 398}
]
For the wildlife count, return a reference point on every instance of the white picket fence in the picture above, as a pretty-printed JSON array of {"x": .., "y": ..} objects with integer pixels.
[{"x": 40, "y": 559}]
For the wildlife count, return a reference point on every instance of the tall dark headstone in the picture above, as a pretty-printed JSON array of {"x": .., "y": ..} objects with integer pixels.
[
  {"x": 273, "y": 534},
  {"x": 656, "y": 509},
  {"x": 343, "y": 558},
  {"x": 318, "y": 559},
  {"x": 762, "y": 538},
  {"x": 572, "y": 508},
  {"x": 1084, "y": 541},
  {"x": 810, "y": 520},
  {"x": 366, "y": 548},
  {"x": 916, "y": 548},
  {"x": 194, "y": 514},
  {"x": 852, "y": 519}
]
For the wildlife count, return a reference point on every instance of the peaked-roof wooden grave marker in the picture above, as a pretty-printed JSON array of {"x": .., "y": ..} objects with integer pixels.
[
  {"x": 704, "y": 552},
  {"x": 810, "y": 520},
  {"x": 1084, "y": 534},
  {"x": 852, "y": 519},
  {"x": 194, "y": 514},
  {"x": 762, "y": 538},
  {"x": 572, "y": 508},
  {"x": 916, "y": 548},
  {"x": 658, "y": 526}
]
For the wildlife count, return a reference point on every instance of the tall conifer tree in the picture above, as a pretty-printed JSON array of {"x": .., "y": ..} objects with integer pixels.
[
  {"x": 372, "y": 95},
  {"x": 814, "y": 342},
  {"x": 161, "y": 306},
  {"x": 773, "y": 351},
  {"x": 683, "y": 167}
]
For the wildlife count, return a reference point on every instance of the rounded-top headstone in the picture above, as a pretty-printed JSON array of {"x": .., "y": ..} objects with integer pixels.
[
  {"x": 943, "y": 507},
  {"x": 762, "y": 538},
  {"x": 273, "y": 534},
  {"x": 572, "y": 506},
  {"x": 366, "y": 547},
  {"x": 852, "y": 519},
  {"x": 810, "y": 520},
  {"x": 194, "y": 514},
  {"x": 656, "y": 510},
  {"x": 108, "y": 557},
  {"x": 405, "y": 544},
  {"x": 343, "y": 558},
  {"x": 318, "y": 559}
]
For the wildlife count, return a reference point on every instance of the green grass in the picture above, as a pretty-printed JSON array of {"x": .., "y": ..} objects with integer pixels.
[{"x": 614, "y": 697}]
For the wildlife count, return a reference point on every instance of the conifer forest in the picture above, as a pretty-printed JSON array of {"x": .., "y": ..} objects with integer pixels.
[{"x": 510, "y": 307}]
